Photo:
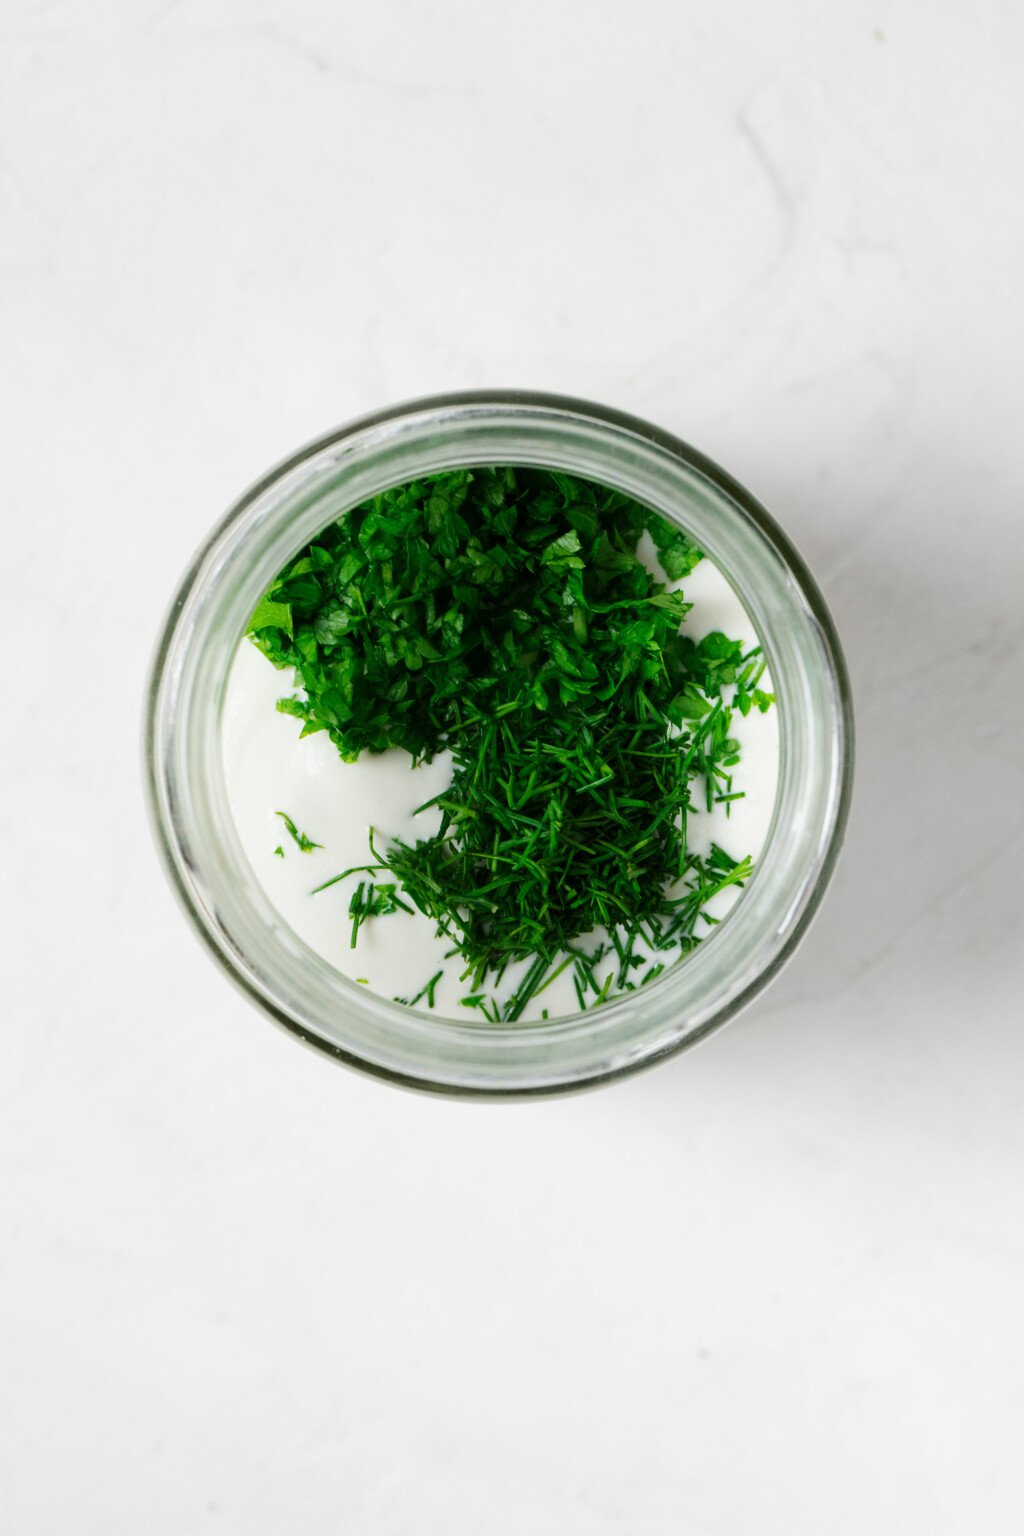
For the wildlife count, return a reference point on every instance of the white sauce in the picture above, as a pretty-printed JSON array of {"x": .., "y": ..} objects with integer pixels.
[{"x": 268, "y": 769}]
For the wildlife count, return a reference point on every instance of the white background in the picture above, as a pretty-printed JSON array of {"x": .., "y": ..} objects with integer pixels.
[{"x": 772, "y": 1287}]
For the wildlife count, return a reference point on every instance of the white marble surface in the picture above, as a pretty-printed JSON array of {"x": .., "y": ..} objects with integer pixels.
[{"x": 773, "y": 1287}]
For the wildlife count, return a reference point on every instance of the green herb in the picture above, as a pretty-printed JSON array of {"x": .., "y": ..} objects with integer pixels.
[
  {"x": 279, "y": 851},
  {"x": 486, "y": 1005},
  {"x": 271, "y": 615},
  {"x": 426, "y": 991},
  {"x": 372, "y": 900},
  {"x": 747, "y": 692},
  {"x": 677, "y": 554},
  {"x": 300, "y": 839},
  {"x": 505, "y": 615}
]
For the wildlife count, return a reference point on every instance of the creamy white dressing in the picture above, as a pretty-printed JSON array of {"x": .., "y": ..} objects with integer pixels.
[{"x": 268, "y": 769}]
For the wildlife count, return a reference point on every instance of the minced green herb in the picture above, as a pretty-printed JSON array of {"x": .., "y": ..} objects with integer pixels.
[
  {"x": 372, "y": 900},
  {"x": 505, "y": 615},
  {"x": 301, "y": 841},
  {"x": 426, "y": 991}
]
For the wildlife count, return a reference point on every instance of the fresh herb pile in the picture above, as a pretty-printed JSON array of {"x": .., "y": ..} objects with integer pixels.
[{"x": 504, "y": 615}]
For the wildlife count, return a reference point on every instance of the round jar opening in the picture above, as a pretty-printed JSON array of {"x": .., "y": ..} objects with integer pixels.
[{"x": 197, "y": 830}]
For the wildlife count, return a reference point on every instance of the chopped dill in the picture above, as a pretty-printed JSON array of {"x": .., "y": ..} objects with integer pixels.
[
  {"x": 370, "y": 899},
  {"x": 426, "y": 991},
  {"x": 301, "y": 841}
]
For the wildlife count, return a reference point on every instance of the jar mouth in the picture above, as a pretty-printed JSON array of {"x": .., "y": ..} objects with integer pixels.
[{"x": 195, "y": 830}]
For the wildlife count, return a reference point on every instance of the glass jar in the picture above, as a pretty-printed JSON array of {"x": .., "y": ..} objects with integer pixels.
[{"x": 196, "y": 832}]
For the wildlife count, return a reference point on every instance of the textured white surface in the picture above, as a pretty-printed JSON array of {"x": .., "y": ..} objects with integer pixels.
[{"x": 774, "y": 1286}]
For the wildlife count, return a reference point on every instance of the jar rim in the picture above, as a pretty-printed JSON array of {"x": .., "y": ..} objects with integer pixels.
[{"x": 206, "y": 620}]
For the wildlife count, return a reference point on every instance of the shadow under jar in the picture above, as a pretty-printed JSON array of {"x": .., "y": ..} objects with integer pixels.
[{"x": 195, "y": 829}]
